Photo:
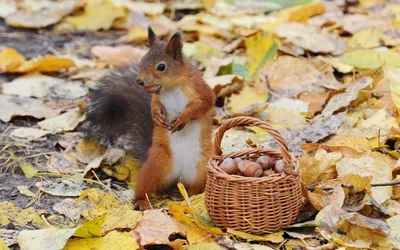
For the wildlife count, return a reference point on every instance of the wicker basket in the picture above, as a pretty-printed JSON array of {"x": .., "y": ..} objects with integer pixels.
[{"x": 250, "y": 204}]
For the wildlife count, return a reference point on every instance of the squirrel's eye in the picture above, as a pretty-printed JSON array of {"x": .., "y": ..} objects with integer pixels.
[{"x": 161, "y": 67}]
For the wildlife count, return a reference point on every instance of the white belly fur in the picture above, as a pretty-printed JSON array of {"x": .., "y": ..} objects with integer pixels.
[{"x": 185, "y": 144}]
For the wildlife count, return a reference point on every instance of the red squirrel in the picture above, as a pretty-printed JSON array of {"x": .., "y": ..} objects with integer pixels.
[{"x": 178, "y": 113}]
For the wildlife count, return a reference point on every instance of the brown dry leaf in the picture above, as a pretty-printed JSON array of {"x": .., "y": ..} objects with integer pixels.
[
  {"x": 290, "y": 76},
  {"x": 64, "y": 122},
  {"x": 286, "y": 112},
  {"x": 248, "y": 101},
  {"x": 118, "y": 56},
  {"x": 359, "y": 144},
  {"x": 344, "y": 99},
  {"x": 368, "y": 166},
  {"x": 225, "y": 84},
  {"x": 155, "y": 227},
  {"x": 319, "y": 167},
  {"x": 317, "y": 130},
  {"x": 315, "y": 99},
  {"x": 28, "y": 133},
  {"x": 47, "y": 13},
  {"x": 311, "y": 38},
  {"x": 12, "y": 106}
]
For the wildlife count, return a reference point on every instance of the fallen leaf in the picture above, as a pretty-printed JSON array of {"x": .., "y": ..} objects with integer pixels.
[
  {"x": 41, "y": 86},
  {"x": 316, "y": 100},
  {"x": 91, "y": 20},
  {"x": 92, "y": 228},
  {"x": 290, "y": 76},
  {"x": 344, "y": 99},
  {"x": 70, "y": 208},
  {"x": 13, "y": 62},
  {"x": 301, "y": 13},
  {"x": 113, "y": 241},
  {"x": 311, "y": 38},
  {"x": 369, "y": 59},
  {"x": 25, "y": 191},
  {"x": 368, "y": 166},
  {"x": 259, "y": 50},
  {"x": 318, "y": 129},
  {"x": 289, "y": 113},
  {"x": 3, "y": 246},
  {"x": 118, "y": 56},
  {"x": 367, "y": 38},
  {"x": 27, "y": 168},
  {"x": 7, "y": 7},
  {"x": 148, "y": 8},
  {"x": 19, "y": 217},
  {"x": 276, "y": 237},
  {"x": 225, "y": 84},
  {"x": 155, "y": 227},
  {"x": 320, "y": 167},
  {"x": 50, "y": 238},
  {"x": 201, "y": 52},
  {"x": 64, "y": 122},
  {"x": 197, "y": 231},
  {"x": 394, "y": 237},
  {"x": 248, "y": 101},
  {"x": 48, "y": 13},
  {"x": 28, "y": 133},
  {"x": 337, "y": 64}
]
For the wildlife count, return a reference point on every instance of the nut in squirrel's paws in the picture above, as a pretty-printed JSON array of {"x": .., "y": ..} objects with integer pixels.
[
  {"x": 178, "y": 123},
  {"x": 159, "y": 118}
]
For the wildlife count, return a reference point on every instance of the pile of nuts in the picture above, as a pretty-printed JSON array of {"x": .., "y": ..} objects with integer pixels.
[{"x": 264, "y": 166}]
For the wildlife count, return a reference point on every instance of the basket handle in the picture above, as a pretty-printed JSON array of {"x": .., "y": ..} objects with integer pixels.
[{"x": 254, "y": 122}]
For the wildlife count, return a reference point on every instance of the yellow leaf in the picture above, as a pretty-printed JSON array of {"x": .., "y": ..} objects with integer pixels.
[
  {"x": 19, "y": 217},
  {"x": 92, "y": 20},
  {"x": 394, "y": 224},
  {"x": 337, "y": 64},
  {"x": 48, "y": 64},
  {"x": 259, "y": 49},
  {"x": 120, "y": 215},
  {"x": 3, "y": 246},
  {"x": 13, "y": 62},
  {"x": 27, "y": 168},
  {"x": 93, "y": 228},
  {"x": 319, "y": 167},
  {"x": 248, "y": 101},
  {"x": 359, "y": 144},
  {"x": 112, "y": 241},
  {"x": 301, "y": 13},
  {"x": 10, "y": 60},
  {"x": 368, "y": 166},
  {"x": 369, "y": 59},
  {"x": 197, "y": 231},
  {"x": 204, "y": 246},
  {"x": 139, "y": 33},
  {"x": 367, "y": 38},
  {"x": 276, "y": 237}
]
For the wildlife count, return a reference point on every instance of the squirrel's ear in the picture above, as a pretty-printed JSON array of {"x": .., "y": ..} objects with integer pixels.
[
  {"x": 151, "y": 36},
  {"x": 174, "y": 47}
]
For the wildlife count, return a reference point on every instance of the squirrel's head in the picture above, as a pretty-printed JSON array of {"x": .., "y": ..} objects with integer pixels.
[{"x": 161, "y": 66}]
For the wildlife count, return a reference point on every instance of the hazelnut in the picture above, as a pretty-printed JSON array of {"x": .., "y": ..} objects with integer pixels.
[
  {"x": 279, "y": 166},
  {"x": 266, "y": 162},
  {"x": 268, "y": 172},
  {"x": 229, "y": 166},
  {"x": 242, "y": 164},
  {"x": 253, "y": 169}
]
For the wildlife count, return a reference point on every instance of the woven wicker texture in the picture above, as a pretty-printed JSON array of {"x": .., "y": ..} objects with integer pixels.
[{"x": 250, "y": 204}]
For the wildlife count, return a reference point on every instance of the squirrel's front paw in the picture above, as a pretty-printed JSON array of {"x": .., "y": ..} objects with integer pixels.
[
  {"x": 160, "y": 119},
  {"x": 178, "y": 123}
]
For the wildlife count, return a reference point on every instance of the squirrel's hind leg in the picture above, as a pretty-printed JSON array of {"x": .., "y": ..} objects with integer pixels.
[{"x": 152, "y": 175}]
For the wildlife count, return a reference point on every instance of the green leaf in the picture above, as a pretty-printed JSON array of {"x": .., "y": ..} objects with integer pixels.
[{"x": 27, "y": 168}]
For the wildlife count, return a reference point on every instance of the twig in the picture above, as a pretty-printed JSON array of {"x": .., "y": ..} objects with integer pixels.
[
  {"x": 45, "y": 221},
  {"x": 108, "y": 189},
  {"x": 312, "y": 188}
]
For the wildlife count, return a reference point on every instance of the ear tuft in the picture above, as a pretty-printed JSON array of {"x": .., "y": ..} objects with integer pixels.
[
  {"x": 151, "y": 36},
  {"x": 174, "y": 46}
]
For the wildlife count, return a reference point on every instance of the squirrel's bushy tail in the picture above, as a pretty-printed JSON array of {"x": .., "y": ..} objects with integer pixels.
[{"x": 119, "y": 113}]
